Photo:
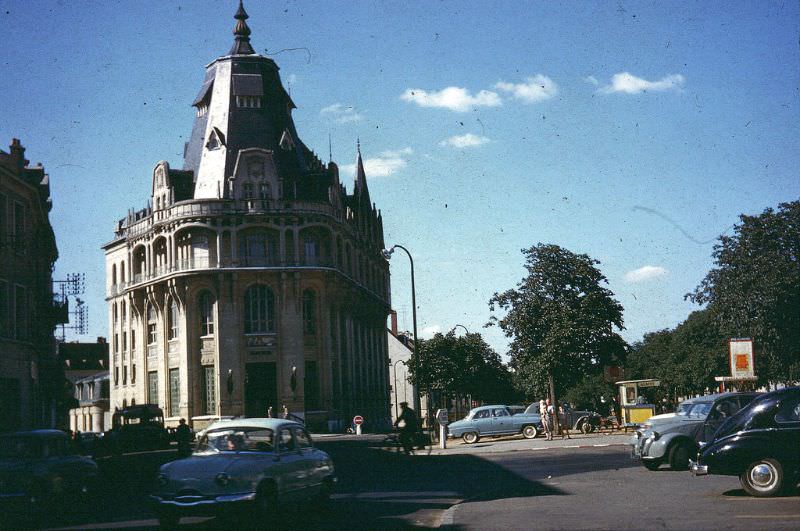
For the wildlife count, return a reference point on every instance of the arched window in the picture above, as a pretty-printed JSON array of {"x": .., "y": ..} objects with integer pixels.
[
  {"x": 206, "y": 307},
  {"x": 259, "y": 310},
  {"x": 309, "y": 312},
  {"x": 152, "y": 325},
  {"x": 174, "y": 329},
  {"x": 113, "y": 274}
]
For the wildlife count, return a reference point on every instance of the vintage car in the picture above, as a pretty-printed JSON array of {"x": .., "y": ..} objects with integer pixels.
[
  {"x": 494, "y": 420},
  {"x": 137, "y": 428},
  {"x": 41, "y": 468},
  {"x": 252, "y": 462},
  {"x": 760, "y": 444},
  {"x": 674, "y": 439},
  {"x": 574, "y": 419}
]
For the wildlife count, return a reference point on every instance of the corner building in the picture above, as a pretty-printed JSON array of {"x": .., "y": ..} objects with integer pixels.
[{"x": 252, "y": 280}]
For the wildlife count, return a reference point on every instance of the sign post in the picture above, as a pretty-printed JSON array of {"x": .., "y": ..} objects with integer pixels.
[
  {"x": 443, "y": 420},
  {"x": 358, "y": 420}
]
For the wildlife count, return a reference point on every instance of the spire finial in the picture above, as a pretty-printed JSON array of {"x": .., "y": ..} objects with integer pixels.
[
  {"x": 242, "y": 33},
  {"x": 330, "y": 148},
  {"x": 358, "y": 146}
]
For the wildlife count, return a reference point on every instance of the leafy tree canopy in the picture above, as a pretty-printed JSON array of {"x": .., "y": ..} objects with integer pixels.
[
  {"x": 754, "y": 289},
  {"x": 561, "y": 319}
]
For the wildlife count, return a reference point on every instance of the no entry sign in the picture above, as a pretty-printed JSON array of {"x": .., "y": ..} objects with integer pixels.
[{"x": 358, "y": 420}]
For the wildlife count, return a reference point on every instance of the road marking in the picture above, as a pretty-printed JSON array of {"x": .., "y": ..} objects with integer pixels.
[
  {"x": 773, "y": 516},
  {"x": 599, "y": 445}
]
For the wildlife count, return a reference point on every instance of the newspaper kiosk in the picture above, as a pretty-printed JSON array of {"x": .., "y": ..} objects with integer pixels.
[{"x": 634, "y": 407}]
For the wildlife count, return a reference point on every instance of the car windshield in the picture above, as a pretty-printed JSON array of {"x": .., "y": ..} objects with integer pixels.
[
  {"x": 700, "y": 410},
  {"x": 235, "y": 439},
  {"x": 33, "y": 447},
  {"x": 683, "y": 409}
]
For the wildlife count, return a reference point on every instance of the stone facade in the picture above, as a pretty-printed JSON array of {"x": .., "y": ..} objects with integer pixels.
[
  {"x": 30, "y": 380},
  {"x": 253, "y": 280}
]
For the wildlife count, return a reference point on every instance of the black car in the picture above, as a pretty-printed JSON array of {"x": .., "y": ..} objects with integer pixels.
[{"x": 760, "y": 444}]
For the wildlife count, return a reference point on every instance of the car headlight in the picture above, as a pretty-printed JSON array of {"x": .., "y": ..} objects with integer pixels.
[
  {"x": 654, "y": 436},
  {"x": 163, "y": 480},
  {"x": 222, "y": 479}
]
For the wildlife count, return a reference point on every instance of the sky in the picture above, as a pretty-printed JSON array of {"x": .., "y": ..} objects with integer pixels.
[{"x": 634, "y": 132}]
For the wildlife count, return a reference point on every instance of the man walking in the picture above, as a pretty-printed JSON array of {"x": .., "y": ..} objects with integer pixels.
[
  {"x": 184, "y": 437},
  {"x": 545, "y": 419}
]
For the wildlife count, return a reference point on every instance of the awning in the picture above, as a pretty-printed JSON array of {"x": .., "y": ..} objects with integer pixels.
[{"x": 204, "y": 91}]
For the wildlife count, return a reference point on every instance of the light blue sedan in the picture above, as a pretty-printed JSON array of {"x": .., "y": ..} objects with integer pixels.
[
  {"x": 255, "y": 462},
  {"x": 494, "y": 420}
]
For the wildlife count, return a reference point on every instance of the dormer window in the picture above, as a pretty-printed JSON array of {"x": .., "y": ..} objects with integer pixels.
[
  {"x": 216, "y": 139},
  {"x": 248, "y": 102},
  {"x": 202, "y": 110},
  {"x": 286, "y": 141}
]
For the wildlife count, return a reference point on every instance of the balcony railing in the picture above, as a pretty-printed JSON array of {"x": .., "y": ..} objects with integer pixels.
[{"x": 243, "y": 261}]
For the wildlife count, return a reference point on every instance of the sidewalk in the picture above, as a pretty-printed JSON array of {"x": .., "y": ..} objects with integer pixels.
[{"x": 518, "y": 443}]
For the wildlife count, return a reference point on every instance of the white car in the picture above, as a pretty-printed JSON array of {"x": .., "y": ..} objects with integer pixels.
[{"x": 252, "y": 462}]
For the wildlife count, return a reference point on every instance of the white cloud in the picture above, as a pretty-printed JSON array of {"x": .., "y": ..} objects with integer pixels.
[
  {"x": 534, "y": 89},
  {"x": 643, "y": 274},
  {"x": 591, "y": 80},
  {"x": 453, "y": 98},
  {"x": 291, "y": 79},
  {"x": 464, "y": 141},
  {"x": 630, "y": 84},
  {"x": 386, "y": 163},
  {"x": 430, "y": 331},
  {"x": 342, "y": 113}
]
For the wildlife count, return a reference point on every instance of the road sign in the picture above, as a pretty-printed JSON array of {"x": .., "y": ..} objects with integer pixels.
[
  {"x": 441, "y": 417},
  {"x": 358, "y": 420}
]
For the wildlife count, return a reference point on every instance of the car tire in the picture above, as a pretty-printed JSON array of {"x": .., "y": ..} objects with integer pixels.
[
  {"x": 679, "y": 456},
  {"x": 323, "y": 498},
  {"x": 586, "y": 428},
  {"x": 266, "y": 502},
  {"x": 651, "y": 464},
  {"x": 168, "y": 519},
  {"x": 471, "y": 437},
  {"x": 529, "y": 431},
  {"x": 763, "y": 478}
]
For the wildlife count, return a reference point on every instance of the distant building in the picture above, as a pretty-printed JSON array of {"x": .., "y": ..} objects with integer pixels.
[
  {"x": 31, "y": 384},
  {"x": 85, "y": 367},
  {"x": 252, "y": 280},
  {"x": 401, "y": 347}
]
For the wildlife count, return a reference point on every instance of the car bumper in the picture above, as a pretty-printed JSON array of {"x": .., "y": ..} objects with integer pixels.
[
  {"x": 697, "y": 469},
  {"x": 200, "y": 504}
]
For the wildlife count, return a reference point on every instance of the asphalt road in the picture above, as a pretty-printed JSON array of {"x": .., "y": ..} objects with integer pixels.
[{"x": 550, "y": 487}]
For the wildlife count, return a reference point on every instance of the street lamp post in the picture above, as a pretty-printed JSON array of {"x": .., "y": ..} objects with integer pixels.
[
  {"x": 387, "y": 253},
  {"x": 462, "y": 326},
  {"x": 396, "y": 414}
]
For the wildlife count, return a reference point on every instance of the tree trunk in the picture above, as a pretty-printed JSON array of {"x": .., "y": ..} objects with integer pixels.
[{"x": 556, "y": 427}]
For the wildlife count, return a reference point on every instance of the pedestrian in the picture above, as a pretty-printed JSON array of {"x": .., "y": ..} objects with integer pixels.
[
  {"x": 408, "y": 426},
  {"x": 545, "y": 420},
  {"x": 550, "y": 412},
  {"x": 183, "y": 434},
  {"x": 270, "y": 413},
  {"x": 285, "y": 412}
]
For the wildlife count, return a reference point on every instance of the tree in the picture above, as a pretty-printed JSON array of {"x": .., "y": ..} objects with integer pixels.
[
  {"x": 754, "y": 289},
  {"x": 456, "y": 367},
  {"x": 686, "y": 359},
  {"x": 560, "y": 318}
]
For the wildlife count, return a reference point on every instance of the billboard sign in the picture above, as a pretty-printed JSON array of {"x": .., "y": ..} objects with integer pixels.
[{"x": 741, "y": 358}]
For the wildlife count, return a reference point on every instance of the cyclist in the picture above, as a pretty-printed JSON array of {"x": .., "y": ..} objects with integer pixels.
[{"x": 408, "y": 426}]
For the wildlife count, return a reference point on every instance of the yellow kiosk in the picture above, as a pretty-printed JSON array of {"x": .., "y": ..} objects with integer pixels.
[{"x": 634, "y": 409}]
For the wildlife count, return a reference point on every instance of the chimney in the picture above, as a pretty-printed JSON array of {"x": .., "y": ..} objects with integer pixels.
[
  {"x": 17, "y": 153},
  {"x": 394, "y": 323},
  {"x": 101, "y": 340}
]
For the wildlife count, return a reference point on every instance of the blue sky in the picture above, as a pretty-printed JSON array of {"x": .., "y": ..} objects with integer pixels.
[{"x": 635, "y": 132}]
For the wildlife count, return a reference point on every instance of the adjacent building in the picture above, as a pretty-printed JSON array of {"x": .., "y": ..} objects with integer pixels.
[
  {"x": 30, "y": 378},
  {"x": 252, "y": 279},
  {"x": 85, "y": 367}
]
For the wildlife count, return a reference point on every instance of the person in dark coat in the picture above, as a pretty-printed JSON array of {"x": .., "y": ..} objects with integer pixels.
[{"x": 184, "y": 437}]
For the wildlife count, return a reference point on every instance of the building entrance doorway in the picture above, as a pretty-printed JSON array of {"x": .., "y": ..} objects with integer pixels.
[{"x": 261, "y": 389}]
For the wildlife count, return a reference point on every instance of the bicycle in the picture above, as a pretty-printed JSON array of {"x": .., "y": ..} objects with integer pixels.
[{"x": 393, "y": 444}]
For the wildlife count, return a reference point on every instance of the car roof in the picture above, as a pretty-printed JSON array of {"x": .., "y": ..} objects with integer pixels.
[
  {"x": 43, "y": 434},
  {"x": 268, "y": 423},
  {"x": 715, "y": 396}
]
